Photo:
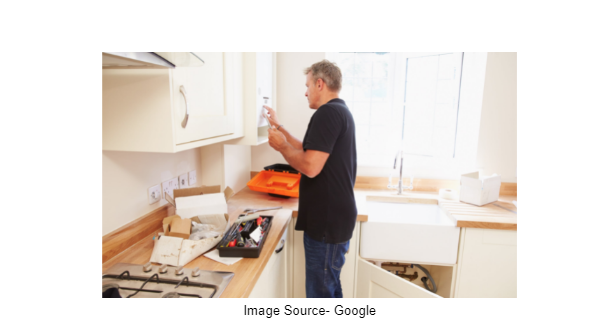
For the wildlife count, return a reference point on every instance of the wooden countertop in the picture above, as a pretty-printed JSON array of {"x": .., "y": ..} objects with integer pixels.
[
  {"x": 497, "y": 215},
  {"x": 247, "y": 271}
]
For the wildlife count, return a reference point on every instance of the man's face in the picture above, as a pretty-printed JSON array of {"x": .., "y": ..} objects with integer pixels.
[{"x": 312, "y": 93}]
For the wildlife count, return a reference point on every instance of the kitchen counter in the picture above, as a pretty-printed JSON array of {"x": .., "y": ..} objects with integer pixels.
[
  {"x": 247, "y": 271},
  {"x": 496, "y": 215}
]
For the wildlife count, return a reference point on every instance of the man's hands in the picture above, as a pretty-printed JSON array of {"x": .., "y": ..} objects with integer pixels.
[
  {"x": 309, "y": 162},
  {"x": 272, "y": 116},
  {"x": 276, "y": 139}
]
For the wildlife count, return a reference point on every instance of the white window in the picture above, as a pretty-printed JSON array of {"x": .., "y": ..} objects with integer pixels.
[{"x": 412, "y": 101}]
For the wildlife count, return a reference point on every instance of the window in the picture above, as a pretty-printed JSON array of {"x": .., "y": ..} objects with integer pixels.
[{"x": 412, "y": 101}]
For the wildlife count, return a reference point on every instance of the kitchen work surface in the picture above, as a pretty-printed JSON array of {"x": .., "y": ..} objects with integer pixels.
[
  {"x": 497, "y": 215},
  {"x": 247, "y": 271}
]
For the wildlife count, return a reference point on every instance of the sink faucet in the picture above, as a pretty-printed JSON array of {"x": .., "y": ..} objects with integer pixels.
[{"x": 400, "y": 187}]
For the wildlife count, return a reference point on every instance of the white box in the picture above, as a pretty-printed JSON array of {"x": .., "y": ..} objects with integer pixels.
[
  {"x": 479, "y": 191},
  {"x": 190, "y": 206}
]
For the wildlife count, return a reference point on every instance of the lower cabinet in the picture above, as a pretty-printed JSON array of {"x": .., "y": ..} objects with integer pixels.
[
  {"x": 486, "y": 267},
  {"x": 347, "y": 275},
  {"x": 274, "y": 280},
  {"x": 374, "y": 281},
  {"x": 487, "y": 264}
]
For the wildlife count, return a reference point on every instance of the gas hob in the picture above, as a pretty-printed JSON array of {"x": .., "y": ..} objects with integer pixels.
[{"x": 163, "y": 281}]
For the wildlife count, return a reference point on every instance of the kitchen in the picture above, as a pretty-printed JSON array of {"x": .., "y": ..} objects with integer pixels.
[{"x": 474, "y": 129}]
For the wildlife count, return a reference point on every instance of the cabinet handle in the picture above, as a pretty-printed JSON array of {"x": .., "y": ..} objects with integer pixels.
[
  {"x": 184, "y": 94},
  {"x": 278, "y": 250}
]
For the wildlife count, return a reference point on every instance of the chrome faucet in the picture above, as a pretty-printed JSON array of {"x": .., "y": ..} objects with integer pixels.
[{"x": 400, "y": 187}]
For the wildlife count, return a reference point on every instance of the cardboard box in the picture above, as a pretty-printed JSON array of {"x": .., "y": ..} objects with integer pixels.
[
  {"x": 479, "y": 191},
  {"x": 177, "y": 251},
  {"x": 175, "y": 226},
  {"x": 204, "y": 200}
]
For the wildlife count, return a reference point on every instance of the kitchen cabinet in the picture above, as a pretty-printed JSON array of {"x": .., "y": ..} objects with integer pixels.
[
  {"x": 275, "y": 278},
  {"x": 171, "y": 110},
  {"x": 486, "y": 267},
  {"x": 347, "y": 275},
  {"x": 259, "y": 88},
  {"x": 487, "y": 263},
  {"x": 375, "y": 282}
]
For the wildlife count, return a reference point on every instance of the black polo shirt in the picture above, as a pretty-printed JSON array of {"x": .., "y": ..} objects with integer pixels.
[{"x": 327, "y": 209}]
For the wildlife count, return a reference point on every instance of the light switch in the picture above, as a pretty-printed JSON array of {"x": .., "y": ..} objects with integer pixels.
[
  {"x": 192, "y": 178},
  {"x": 154, "y": 194},
  {"x": 183, "y": 181}
]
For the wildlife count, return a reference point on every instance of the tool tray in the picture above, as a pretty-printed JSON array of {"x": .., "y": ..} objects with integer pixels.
[
  {"x": 277, "y": 182},
  {"x": 253, "y": 252}
]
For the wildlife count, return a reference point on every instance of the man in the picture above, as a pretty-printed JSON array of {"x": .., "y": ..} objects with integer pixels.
[{"x": 327, "y": 159}]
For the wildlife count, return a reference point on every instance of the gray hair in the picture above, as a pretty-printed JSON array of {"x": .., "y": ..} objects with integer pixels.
[{"x": 328, "y": 72}]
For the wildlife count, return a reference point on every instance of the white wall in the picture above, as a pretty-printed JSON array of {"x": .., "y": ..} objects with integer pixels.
[
  {"x": 127, "y": 177},
  {"x": 293, "y": 111},
  {"x": 237, "y": 166},
  {"x": 497, "y": 151}
]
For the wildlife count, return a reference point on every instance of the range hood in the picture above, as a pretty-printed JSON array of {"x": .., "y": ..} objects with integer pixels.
[{"x": 150, "y": 60}]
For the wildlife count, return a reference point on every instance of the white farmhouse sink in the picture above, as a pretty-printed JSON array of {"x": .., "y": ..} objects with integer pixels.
[{"x": 409, "y": 232}]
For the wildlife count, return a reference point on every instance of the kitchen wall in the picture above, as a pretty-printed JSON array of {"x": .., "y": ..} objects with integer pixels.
[
  {"x": 292, "y": 106},
  {"x": 128, "y": 175},
  {"x": 497, "y": 141}
]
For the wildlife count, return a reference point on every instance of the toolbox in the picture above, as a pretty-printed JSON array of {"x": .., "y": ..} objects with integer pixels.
[
  {"x": 234, "y": 233},
  {"x": 278, "y": 179}
]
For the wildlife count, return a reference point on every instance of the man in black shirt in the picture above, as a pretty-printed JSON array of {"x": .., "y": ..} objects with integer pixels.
[{"x": 328, "y": 162}]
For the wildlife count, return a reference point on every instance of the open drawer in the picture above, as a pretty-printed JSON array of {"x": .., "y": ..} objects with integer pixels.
[{"x": 375, "y": 282}]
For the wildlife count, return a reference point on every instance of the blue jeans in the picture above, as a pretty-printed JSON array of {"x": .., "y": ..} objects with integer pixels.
[{"x": 323, "y": 265}]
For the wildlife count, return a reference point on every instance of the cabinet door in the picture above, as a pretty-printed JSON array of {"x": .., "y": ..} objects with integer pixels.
[
  {"x": 375, "y": 282},
  {"x": 487, "y": 264},
  {"x": 264, "y": 84},
  {"x": 273, "y": 280},
  {"x": 201, "y": 92}
]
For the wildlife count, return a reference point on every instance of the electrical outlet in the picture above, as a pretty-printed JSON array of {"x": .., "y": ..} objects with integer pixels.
[
  {"x": 193, "y": 178},
  {"x": 154, "y": 193},
  {"x": 169, "y": 186},
  {"x": 183, "y": 181}
]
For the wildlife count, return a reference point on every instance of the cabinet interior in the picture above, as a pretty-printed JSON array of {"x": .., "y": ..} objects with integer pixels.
[{"x": 442, "y": 275}]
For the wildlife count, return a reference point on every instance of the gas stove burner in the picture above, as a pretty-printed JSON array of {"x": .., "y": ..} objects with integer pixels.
[{"x": 138, "y": 281}]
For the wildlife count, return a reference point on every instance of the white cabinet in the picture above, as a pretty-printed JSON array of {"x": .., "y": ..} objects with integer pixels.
[
  {"x": 171, "y": 110},
  {"x": 486, "y": 267},
  {"x": 259, "y": 88},
  {"x": 487, "y": 264},
  {"x": 347, "y": 275},
  {"x": 275, "y": 278},
  {"x": 375, "y": 282}
]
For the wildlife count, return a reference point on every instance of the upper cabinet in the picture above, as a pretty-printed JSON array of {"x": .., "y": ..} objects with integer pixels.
[
  {"x": 171, "y": 110},
  {"x": 259, "y": 88}
]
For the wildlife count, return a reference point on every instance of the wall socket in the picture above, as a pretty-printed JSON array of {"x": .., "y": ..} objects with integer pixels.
[
  {"x": 154, "y": 194},
  {"x": 183, "y": 181},
  {"x": 169, "y": 186},
  {"x": 193, "y": 178}
]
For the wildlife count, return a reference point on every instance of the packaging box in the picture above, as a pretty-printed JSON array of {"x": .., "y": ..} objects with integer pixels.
[
  {"x": 195, "y": 201},
  {"x": 479, "y": 191},
  {"x": 177, "y": 251},
  {"x": 175, "y": 226}
]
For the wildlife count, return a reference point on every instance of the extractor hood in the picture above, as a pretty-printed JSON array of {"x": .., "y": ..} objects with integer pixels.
[{"x": 150, "y": 60}]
